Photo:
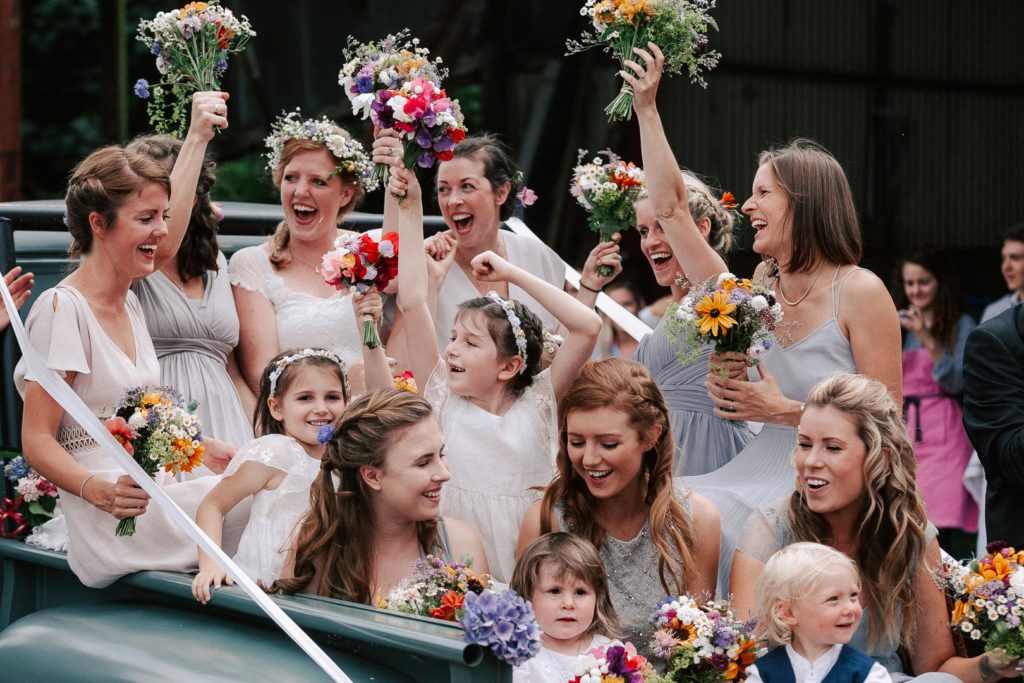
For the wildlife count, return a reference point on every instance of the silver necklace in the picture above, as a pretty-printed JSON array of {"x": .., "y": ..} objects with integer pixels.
[
  {"x": 782, "y": 292},
  {"x": 314, "y": 266}
]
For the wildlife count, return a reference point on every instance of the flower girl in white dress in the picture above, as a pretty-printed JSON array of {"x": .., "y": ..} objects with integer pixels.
[{"x": 495, "y": 405}]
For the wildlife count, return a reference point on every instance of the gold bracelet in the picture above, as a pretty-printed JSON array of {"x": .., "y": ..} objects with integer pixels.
[{"x": 81, "y": 489}]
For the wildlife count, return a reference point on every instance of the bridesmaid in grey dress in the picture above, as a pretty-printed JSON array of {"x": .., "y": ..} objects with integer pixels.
[
  {"x": 837, "y": 317},
  {"x": 190, "y": 312},
  {"x": 704, "y": 442}
]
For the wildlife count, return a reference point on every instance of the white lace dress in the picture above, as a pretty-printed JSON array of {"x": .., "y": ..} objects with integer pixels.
[
  {"x": 303, "y": 320},
  {"x": 495, "y": 461},
  {"x": 549, "y": 666},
  {"x": 275, "y": 513}
]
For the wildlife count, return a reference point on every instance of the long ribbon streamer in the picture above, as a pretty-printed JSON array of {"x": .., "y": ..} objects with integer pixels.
[
  {"x": 64, "y": 395},
  {"x": 633, "y": 326}
]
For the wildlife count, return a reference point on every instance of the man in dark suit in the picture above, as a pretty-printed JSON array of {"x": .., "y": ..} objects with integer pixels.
[{"x": 994, "y": 419}]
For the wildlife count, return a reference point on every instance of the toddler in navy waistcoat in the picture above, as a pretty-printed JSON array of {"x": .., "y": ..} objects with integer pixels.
[{"x": 808, "y": 609}]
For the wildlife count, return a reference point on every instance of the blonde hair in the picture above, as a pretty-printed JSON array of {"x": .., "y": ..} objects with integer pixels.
[
  {"x": 576, "y": 557},
  {"x": 280, "y": 256},
  {"x": 788, "y": 576},
  {"x": 892, "y": 521},
  {"x": 625, "y": 386},
  {"x": 703, "y": 204}
]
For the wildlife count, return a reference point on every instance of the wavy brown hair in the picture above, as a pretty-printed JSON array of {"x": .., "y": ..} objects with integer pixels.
[
  {"x": 280, "y": 256},
  {"x": 627, "y": 387},
  {"x": 891, "y": 525},
  {"x": 573, "y": 556},
  {"x": 946, "y": 307},
  {"x": 334, "y": 542}
]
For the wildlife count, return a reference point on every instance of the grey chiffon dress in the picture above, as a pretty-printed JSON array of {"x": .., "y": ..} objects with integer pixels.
[
  {"x": 704, "y": 441},
  {"x": 193, "y": 338},
  {"x": 762, "y": 473}
]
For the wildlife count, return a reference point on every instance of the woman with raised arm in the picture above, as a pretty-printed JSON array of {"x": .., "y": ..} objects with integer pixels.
[{"x": 838, "y": 317}]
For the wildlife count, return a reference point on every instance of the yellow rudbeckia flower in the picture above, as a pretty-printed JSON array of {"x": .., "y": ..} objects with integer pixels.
[{"x": 714, "y": 313}]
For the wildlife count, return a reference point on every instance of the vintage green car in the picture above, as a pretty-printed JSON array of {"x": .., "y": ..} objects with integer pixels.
[{"x": 147, "y": 626}]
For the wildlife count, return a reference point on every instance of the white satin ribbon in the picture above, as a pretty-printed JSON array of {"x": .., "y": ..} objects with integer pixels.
[
  {"x": 633, "y": 326},
  {"x": 64, "y": 395}
]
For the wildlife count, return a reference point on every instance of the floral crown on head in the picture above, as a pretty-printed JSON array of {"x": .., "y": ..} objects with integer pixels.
[
  {"x": 355, "y": 165},
  {"x": 514, "y": 322},
  {"x": 281, "y": 363}
]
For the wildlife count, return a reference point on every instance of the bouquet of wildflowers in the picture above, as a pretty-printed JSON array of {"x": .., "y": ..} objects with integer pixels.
[
  {"x": 613, "y": 663},
  {"x": 426, "y": 120},
  {"x": 504, "y": 622},
  {"x": 191, "y": 46},
  {"x": 702, "y": 643},
  {"x": 608, "y": 190},
  {"x": 436, "y": 589},
  {"x": 34, "y": 501},
  {"x": 355, "y": 166},
  {"x": 405, "y": 381},
  {"x": 159, "y": 431},
  {"x": 988, "y": 598},
  {"x": 735, "y": 314},
  {"x": 359, "y": 262},
  {"x": 678, "y": 27},
  {"x": 384, "y": 65}
]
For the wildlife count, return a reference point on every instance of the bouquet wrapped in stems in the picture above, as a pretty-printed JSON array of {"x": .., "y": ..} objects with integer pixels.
[
  {"x": 437, "y": 589},
  {"x": 384, "y": 65},
  {"x": 32, "y": 503},
  {"x": 359, "y": 262},
  {"x": 702, "y": 642},
  {"x": 613, "y": 663},
  {"x": 735, "y": 314},
  {"x": 608, "y": 189},
  {"x": 159, "y": 431},
  {"x": 988, "y": 595},
  {"x": 678, "y": 27},
  {"x": 191, "y": 46}
]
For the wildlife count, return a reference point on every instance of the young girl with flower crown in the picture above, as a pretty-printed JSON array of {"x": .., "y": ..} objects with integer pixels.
[
  {"x": 564, "y": 579},
  {"x": 495, "y": 405},
  {"x": 301, "y": 393}
]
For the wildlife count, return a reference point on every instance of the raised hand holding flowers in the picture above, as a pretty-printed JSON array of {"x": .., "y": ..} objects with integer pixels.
[
  {"x": 608, "y": 190},
  {"x": 678, "y": 27},
  {"x": 359, "y": 263}
]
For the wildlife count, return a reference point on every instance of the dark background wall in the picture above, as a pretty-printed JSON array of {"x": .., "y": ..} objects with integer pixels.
[{"x": 922, "y": 102}]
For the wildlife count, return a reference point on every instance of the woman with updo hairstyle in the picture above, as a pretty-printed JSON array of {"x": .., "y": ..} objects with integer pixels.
[
  {"x": 614, "y": 488},
  {"x": 374, "y": 507},
  {"x": 90, "y": 329},
  {"x": 856, "y": 492},
  {"x": 190, "y": 311},
  {"x": 477, "y": 190},
  {"x": 704, "y": 442},
  {"x": 321, "y": 174}
]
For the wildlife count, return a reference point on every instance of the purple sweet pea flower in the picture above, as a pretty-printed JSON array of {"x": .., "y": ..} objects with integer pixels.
[
  {"x": 425, "y": 160},
  {"x": 443, "y": 144},
  {"x": 428, "y": 119},
  {"x": 142, "y": 89},
  {"x": 423, "y": 138}
]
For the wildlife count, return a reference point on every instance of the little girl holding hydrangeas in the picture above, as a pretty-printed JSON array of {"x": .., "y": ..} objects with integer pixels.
[{"x": 496, "y": 406}]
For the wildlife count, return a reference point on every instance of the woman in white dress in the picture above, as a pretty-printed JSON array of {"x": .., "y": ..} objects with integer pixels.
[
  {"x": 90, "y": 329},
  {"x": 321, "y": 173}
]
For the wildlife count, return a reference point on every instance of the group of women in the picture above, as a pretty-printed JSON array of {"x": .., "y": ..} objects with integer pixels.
[{"x": 652, "y": 462}]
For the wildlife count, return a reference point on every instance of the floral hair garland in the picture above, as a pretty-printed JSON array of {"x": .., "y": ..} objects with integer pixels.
[
  {"x": 515, "y": 323},
  {"x": 281, "y": 363},
  {"x": 355, "y": 163}
]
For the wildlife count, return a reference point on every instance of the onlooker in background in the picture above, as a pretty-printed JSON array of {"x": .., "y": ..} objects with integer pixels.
[
  {"x": 993, "y": 385},
  {"x": 1013, "y": 271},
  {"x": 927, "y": 291},
  {"x": 614, "y": 341}
]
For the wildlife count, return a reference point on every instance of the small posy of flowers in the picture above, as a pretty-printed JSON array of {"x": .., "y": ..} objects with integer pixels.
[
  {"x": 678, "y": 27},
  {"x": 159, "y": 431},
  {"x": 437, "y": 589},
  {"x": 355, "y": 165},
  {"x": 988, "y": 595},
  {"x": 608, "y": 189},
  {"x": 504, "y": 622},
  {"x": 359, "y": 262},
  {"x": 384, "y": 65},
  {"x": 32, "y": 502},
  {"x": 613, "y": 663},
  {"x": 702, "y": 642},
  {"x": 191, "y": 46},
  {"x": 406, "y": 381},
  {"x": 427, "y": 121},
  {"x": 734, "y": 314}
]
